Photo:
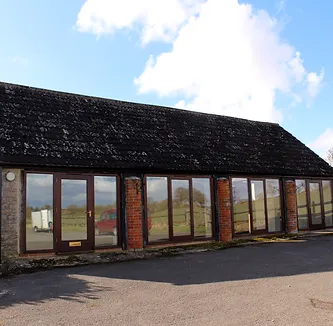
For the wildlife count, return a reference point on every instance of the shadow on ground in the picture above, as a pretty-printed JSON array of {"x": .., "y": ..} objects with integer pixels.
[
  {"x": 45, "y": 286},
  {"x": 313, "y": 255}
]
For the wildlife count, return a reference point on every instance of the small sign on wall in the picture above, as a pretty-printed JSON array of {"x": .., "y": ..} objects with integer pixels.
[{"x": 75, "y": 244}]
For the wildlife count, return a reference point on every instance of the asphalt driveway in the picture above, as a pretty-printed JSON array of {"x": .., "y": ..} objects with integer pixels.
[{"x": 273, "y": 284}]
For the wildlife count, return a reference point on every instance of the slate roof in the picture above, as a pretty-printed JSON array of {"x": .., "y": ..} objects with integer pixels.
[{"x": 46, "y": 128}]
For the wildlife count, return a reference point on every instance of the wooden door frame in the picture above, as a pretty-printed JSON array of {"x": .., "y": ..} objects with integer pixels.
[
  {"x": 170, "y": 207},
  {"x": 78, "y": 245},
  {"x": 315, "y": 226},
  {"x": 260, "y": 231}
]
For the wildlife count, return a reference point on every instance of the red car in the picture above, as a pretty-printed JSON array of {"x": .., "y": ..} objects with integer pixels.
[{"x": 107, "y": 222}]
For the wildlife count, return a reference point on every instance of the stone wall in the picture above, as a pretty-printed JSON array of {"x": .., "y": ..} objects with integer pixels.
[{"x": 12, "y": 212}]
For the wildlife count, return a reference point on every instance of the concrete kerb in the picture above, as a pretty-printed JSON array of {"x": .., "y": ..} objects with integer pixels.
[{"x": 15, "y": 266}]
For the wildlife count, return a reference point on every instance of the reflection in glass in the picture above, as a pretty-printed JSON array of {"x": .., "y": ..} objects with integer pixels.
[
  {"x": 39, "y": 211},
  {"x": 302, "y": 210},
  {"x": 157, "y": 209},
  {"x": 273, "y": 205},
  {"x": 202, "y": 207},
  {"x": 258, "y": 204},
  {"x": 73, "y": 209},
  {"x": 327, "y": 195},
  {"x": 181, "y": 207},
  {"x": 315, "y": 205},
  {"x": 106, "y": 215},
  {"x": 241, "y": 213}
]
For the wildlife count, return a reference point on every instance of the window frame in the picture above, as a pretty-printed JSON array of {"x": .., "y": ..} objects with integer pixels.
[
  {"x": 250, "y": 207},
  {"x": 322, "y": 203},
  {"x": 59, "y": 173},
  {"x": 173, "y": 239},
  {"x": 23, "y": 224}
]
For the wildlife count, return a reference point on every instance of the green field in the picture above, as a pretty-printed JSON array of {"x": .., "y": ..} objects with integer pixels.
[
  {"x": 74, "y": 218},
  {"x": 181, "y": 221}
]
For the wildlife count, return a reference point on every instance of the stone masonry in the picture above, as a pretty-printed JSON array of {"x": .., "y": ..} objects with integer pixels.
[{"x": 12, "y": 194}]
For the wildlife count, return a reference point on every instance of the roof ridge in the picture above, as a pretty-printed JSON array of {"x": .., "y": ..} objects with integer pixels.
[{"x": 155, "y": 106}]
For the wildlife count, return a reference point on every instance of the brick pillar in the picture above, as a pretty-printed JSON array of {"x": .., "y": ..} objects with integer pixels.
[
  {"x": 224, "y": 209},
  {"x": 134, "y": 213},
  {"x": 291, "y": 206},
  {"x": 12, "y": 195}
]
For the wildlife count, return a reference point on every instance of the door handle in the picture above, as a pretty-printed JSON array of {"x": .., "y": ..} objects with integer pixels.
[{"x": 89, "y": 213}]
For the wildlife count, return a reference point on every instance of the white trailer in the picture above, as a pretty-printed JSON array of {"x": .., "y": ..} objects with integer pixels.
[{"x": 42, "y": 220}]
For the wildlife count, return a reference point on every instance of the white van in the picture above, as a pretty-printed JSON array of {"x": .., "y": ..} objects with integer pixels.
[{"x": 42, "y": 220}]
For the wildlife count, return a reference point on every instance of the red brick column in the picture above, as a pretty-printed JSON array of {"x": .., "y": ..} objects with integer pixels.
[
  {"x": 134, "y": 213},
  {"x": 291, "y": 206},
  {"x": 224, "y": 209}
]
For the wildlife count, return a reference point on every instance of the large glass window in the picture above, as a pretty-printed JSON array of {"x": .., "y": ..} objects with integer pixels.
[
  {"x": 302, "y": 209},
  {"x": 258, "y": 205},
  {"x": 181, "y": 213},
  {"x": 157, "y": 209},
  {"x": 273, "y": 205},
  {"x": 202, "y": 207},
  {"x": 315, "y": 203},
  {"x": 106, "y": 214},
  {"x": 327, "y": 196},
  {"x": 73, "y": 209},
  {"x": 190, "y": 203},
  {"x": 241, "y": 213},
  {"x": 265, "y": 205},
  {"x": 39, "y": 211}
]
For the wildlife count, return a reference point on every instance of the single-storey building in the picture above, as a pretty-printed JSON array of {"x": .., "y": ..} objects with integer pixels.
[{"x": 82, "y": 173}]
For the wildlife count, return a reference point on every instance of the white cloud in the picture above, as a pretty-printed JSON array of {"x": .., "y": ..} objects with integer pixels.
[
  {"x": 160, "y": 19},
  {"x": 226, "y": 57},
  {"x": 105, "y": 184},
  {"x": 314, "y": 84},
  {"x": 323, "y": 143}
]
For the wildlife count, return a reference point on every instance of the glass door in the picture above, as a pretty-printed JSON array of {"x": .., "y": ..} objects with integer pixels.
[
  {"x": 182, "y": 225},
  {"x": 315, "y": 206},
  {"x": 74, "y": 213}
]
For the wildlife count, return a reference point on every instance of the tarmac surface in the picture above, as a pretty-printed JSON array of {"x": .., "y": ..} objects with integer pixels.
[{"x": 269, "y": 284}]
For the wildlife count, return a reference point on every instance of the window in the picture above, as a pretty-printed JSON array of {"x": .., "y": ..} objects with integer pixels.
[
  {"x": 241, "y": 213},
  {"x": 258, "y": 205},
  {"x": 39, "y": 211},
  {"x": 273, "y": 205},
  {"x": 260, "y": 214},
  {"x": 181, "y": 210},
  {"x": 202, "y": 207},
  {"x": 106, "y": 214},
  {"x": 74, "y": 210},
  {"x": 302, "y": 209},
  {"x": 157, "y": 209},
  {"x": 112, "y": 216},
  {"x": 103, "y": 217},
  {"x": 315, "y": 203},
  {"x": 187, "y": 212},
  {"x": 327, "y": 196}
]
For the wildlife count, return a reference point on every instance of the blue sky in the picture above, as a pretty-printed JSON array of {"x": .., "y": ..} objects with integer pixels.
[{"x": 268, "y": 61}]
